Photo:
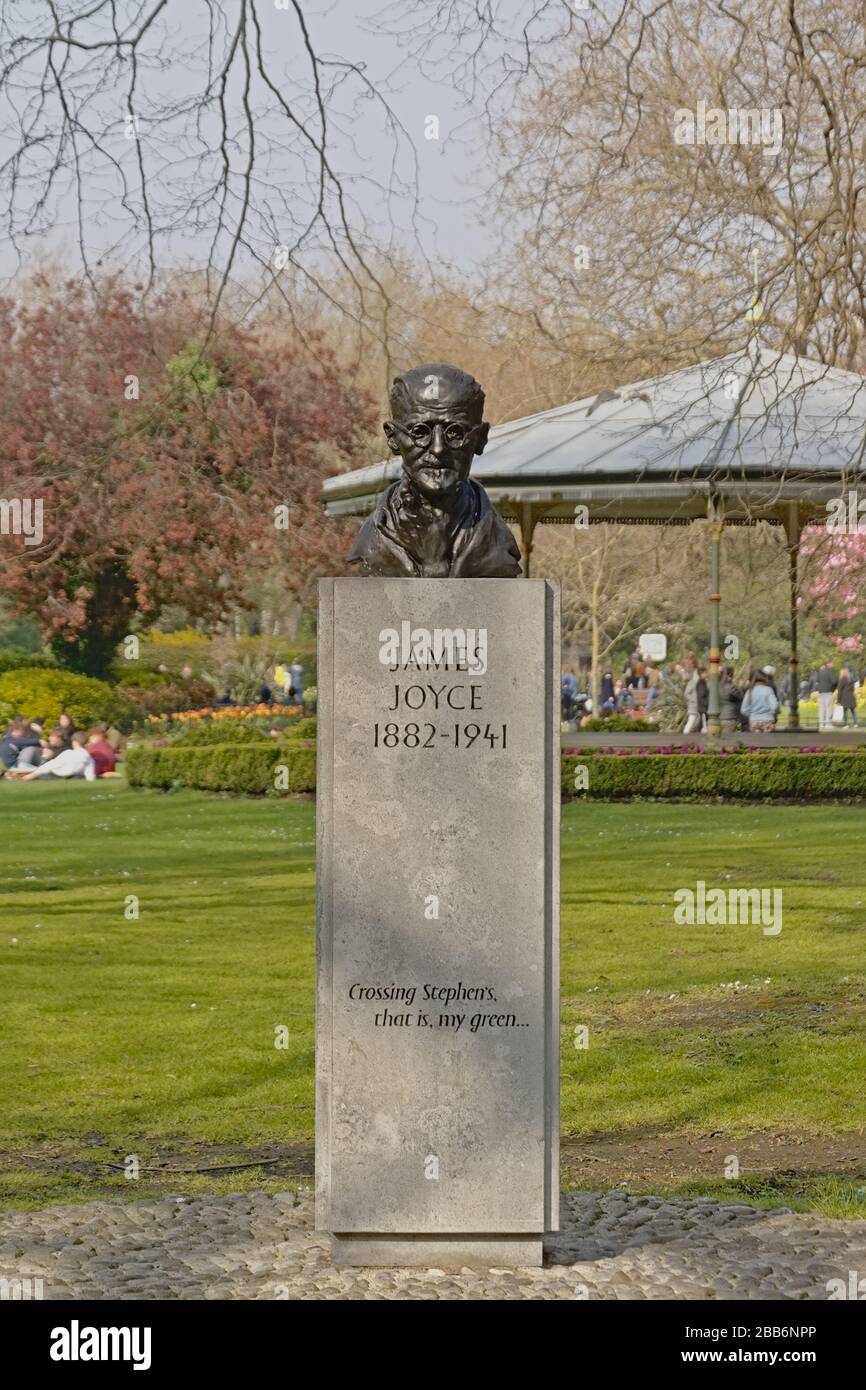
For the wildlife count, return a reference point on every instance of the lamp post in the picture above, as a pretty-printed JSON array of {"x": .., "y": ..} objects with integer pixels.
[
  {"x": 716, "y": 521},
  {"x": 792, "y": 532}
]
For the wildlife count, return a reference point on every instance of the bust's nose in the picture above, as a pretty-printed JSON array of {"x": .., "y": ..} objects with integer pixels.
[{"x": 437, "y": 440}]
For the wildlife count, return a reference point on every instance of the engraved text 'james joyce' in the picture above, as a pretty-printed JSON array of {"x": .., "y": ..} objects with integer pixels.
[{"x": 443, "y": 648}]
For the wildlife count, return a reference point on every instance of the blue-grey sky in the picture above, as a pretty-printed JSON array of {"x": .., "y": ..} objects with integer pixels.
[{"x": 370, "y": 148}]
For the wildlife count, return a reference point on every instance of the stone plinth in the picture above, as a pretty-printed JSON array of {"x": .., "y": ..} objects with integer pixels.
[{"x": 438, "y": 920}]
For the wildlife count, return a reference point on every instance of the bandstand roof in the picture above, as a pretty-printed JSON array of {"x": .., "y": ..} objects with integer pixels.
[{"x": 757, "y": 428}]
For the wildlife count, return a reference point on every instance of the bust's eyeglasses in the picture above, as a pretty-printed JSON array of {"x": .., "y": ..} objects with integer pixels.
[{"x": 455, "y": 435}]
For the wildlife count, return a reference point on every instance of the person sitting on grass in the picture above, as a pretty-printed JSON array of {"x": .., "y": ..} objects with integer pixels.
[
  {"x": 72, "y": 762},
  {"x": 22, "y": 745},
  {"x": 67, "y": 727},
  {"x": 101, "y": 752},
  {"x": 54, "y": 744},
  {"x": 10, "y": 745}
]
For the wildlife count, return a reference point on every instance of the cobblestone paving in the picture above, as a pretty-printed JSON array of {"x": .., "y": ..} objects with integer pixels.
[{"x": 256, "y": 1246}]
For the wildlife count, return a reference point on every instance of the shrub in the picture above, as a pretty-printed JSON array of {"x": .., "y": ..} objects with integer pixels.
[
  {"x": 250, "y": 768},
  {"x": 42, "y": 693},
  {"x": 17, "y": 661},
  {"x": 244, "y": 665},
  {"x": 177, "y": 640},
  {"x": 670, "y": 707},
  {"x": 281, "y": 649},
  {"x": 134, "y": 704},
  {"x": 173, "y": 650},
  {"x": 619, "y": 724},
  {"x": 745, "y": 776},
  {"x": 128, "y": 675},
  {"x": 201, "y": 653}
]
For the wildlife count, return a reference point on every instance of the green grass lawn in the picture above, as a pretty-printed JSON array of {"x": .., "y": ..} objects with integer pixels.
[{"x": 156, "y": 1036}]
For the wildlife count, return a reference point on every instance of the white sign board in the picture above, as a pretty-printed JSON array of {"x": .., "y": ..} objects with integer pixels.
[{"x": 653, "y": 644}]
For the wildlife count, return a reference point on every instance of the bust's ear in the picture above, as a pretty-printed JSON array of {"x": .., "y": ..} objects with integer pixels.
[
  {"x": 481, "y": 439},
  {"x": 391, "y": 436}
]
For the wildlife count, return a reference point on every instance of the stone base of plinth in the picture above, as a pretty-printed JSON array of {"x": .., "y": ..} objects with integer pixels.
[{"x": 437, "y": 1252}]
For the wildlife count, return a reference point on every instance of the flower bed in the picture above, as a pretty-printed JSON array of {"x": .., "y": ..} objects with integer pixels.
[
  {"x": 696, "y": 749},
  {"x": 169, "y": 722}
]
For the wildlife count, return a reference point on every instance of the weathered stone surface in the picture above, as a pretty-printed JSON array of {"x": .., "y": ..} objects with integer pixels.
[{"x": 438, "y": 872}]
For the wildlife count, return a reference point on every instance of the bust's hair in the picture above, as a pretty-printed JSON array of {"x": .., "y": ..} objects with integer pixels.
[{"x": 455, "y": 387}]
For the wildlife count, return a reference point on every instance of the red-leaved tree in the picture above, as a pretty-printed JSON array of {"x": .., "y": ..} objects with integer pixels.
[{"x": 172, "y": 466}]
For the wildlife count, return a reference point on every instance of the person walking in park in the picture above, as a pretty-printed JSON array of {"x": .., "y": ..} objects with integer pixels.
[
  {"x": 608, "y": 698},
  {"x": 568, "y": 693},
  {"x": 282, "y": 680},
  {"x": 730, "y": 699},
  {"x": 826, "y": 686},
  {"x": 846, "y": 694},
  {"x": 296, "y": 675},
  {"x": 693, "y": 713},
  {"x": 653, "y": 680},
  {"x": 703, "y": 697},
  {"x": 761, "y": 705}
]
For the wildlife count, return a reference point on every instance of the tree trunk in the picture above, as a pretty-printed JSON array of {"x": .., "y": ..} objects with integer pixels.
[{"x": 109, "y": 611}]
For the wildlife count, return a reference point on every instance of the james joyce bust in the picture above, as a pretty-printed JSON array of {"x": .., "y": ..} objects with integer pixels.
[{"x": 436, "y": 522}]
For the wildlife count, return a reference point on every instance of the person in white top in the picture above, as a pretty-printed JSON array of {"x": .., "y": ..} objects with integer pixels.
[{"x": 74, "y": 762}]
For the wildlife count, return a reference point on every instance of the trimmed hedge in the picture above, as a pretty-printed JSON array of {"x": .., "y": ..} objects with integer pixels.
[
  {"x": 250, "y": 768},
  {"x": 305, "y": 727},
  {"x": 743, "y": 776}
]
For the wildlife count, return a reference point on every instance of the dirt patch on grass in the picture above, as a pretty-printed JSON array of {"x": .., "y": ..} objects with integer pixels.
[
  {"x": 164, "y": 1168},
  {"x": 751, "y": 1006},
  {"x": 598, "y": 1161},
  {"x": 644, "y": 1157}
]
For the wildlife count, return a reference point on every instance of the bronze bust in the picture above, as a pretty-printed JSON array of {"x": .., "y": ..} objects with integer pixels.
[{"x": 436, "y": 522}]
